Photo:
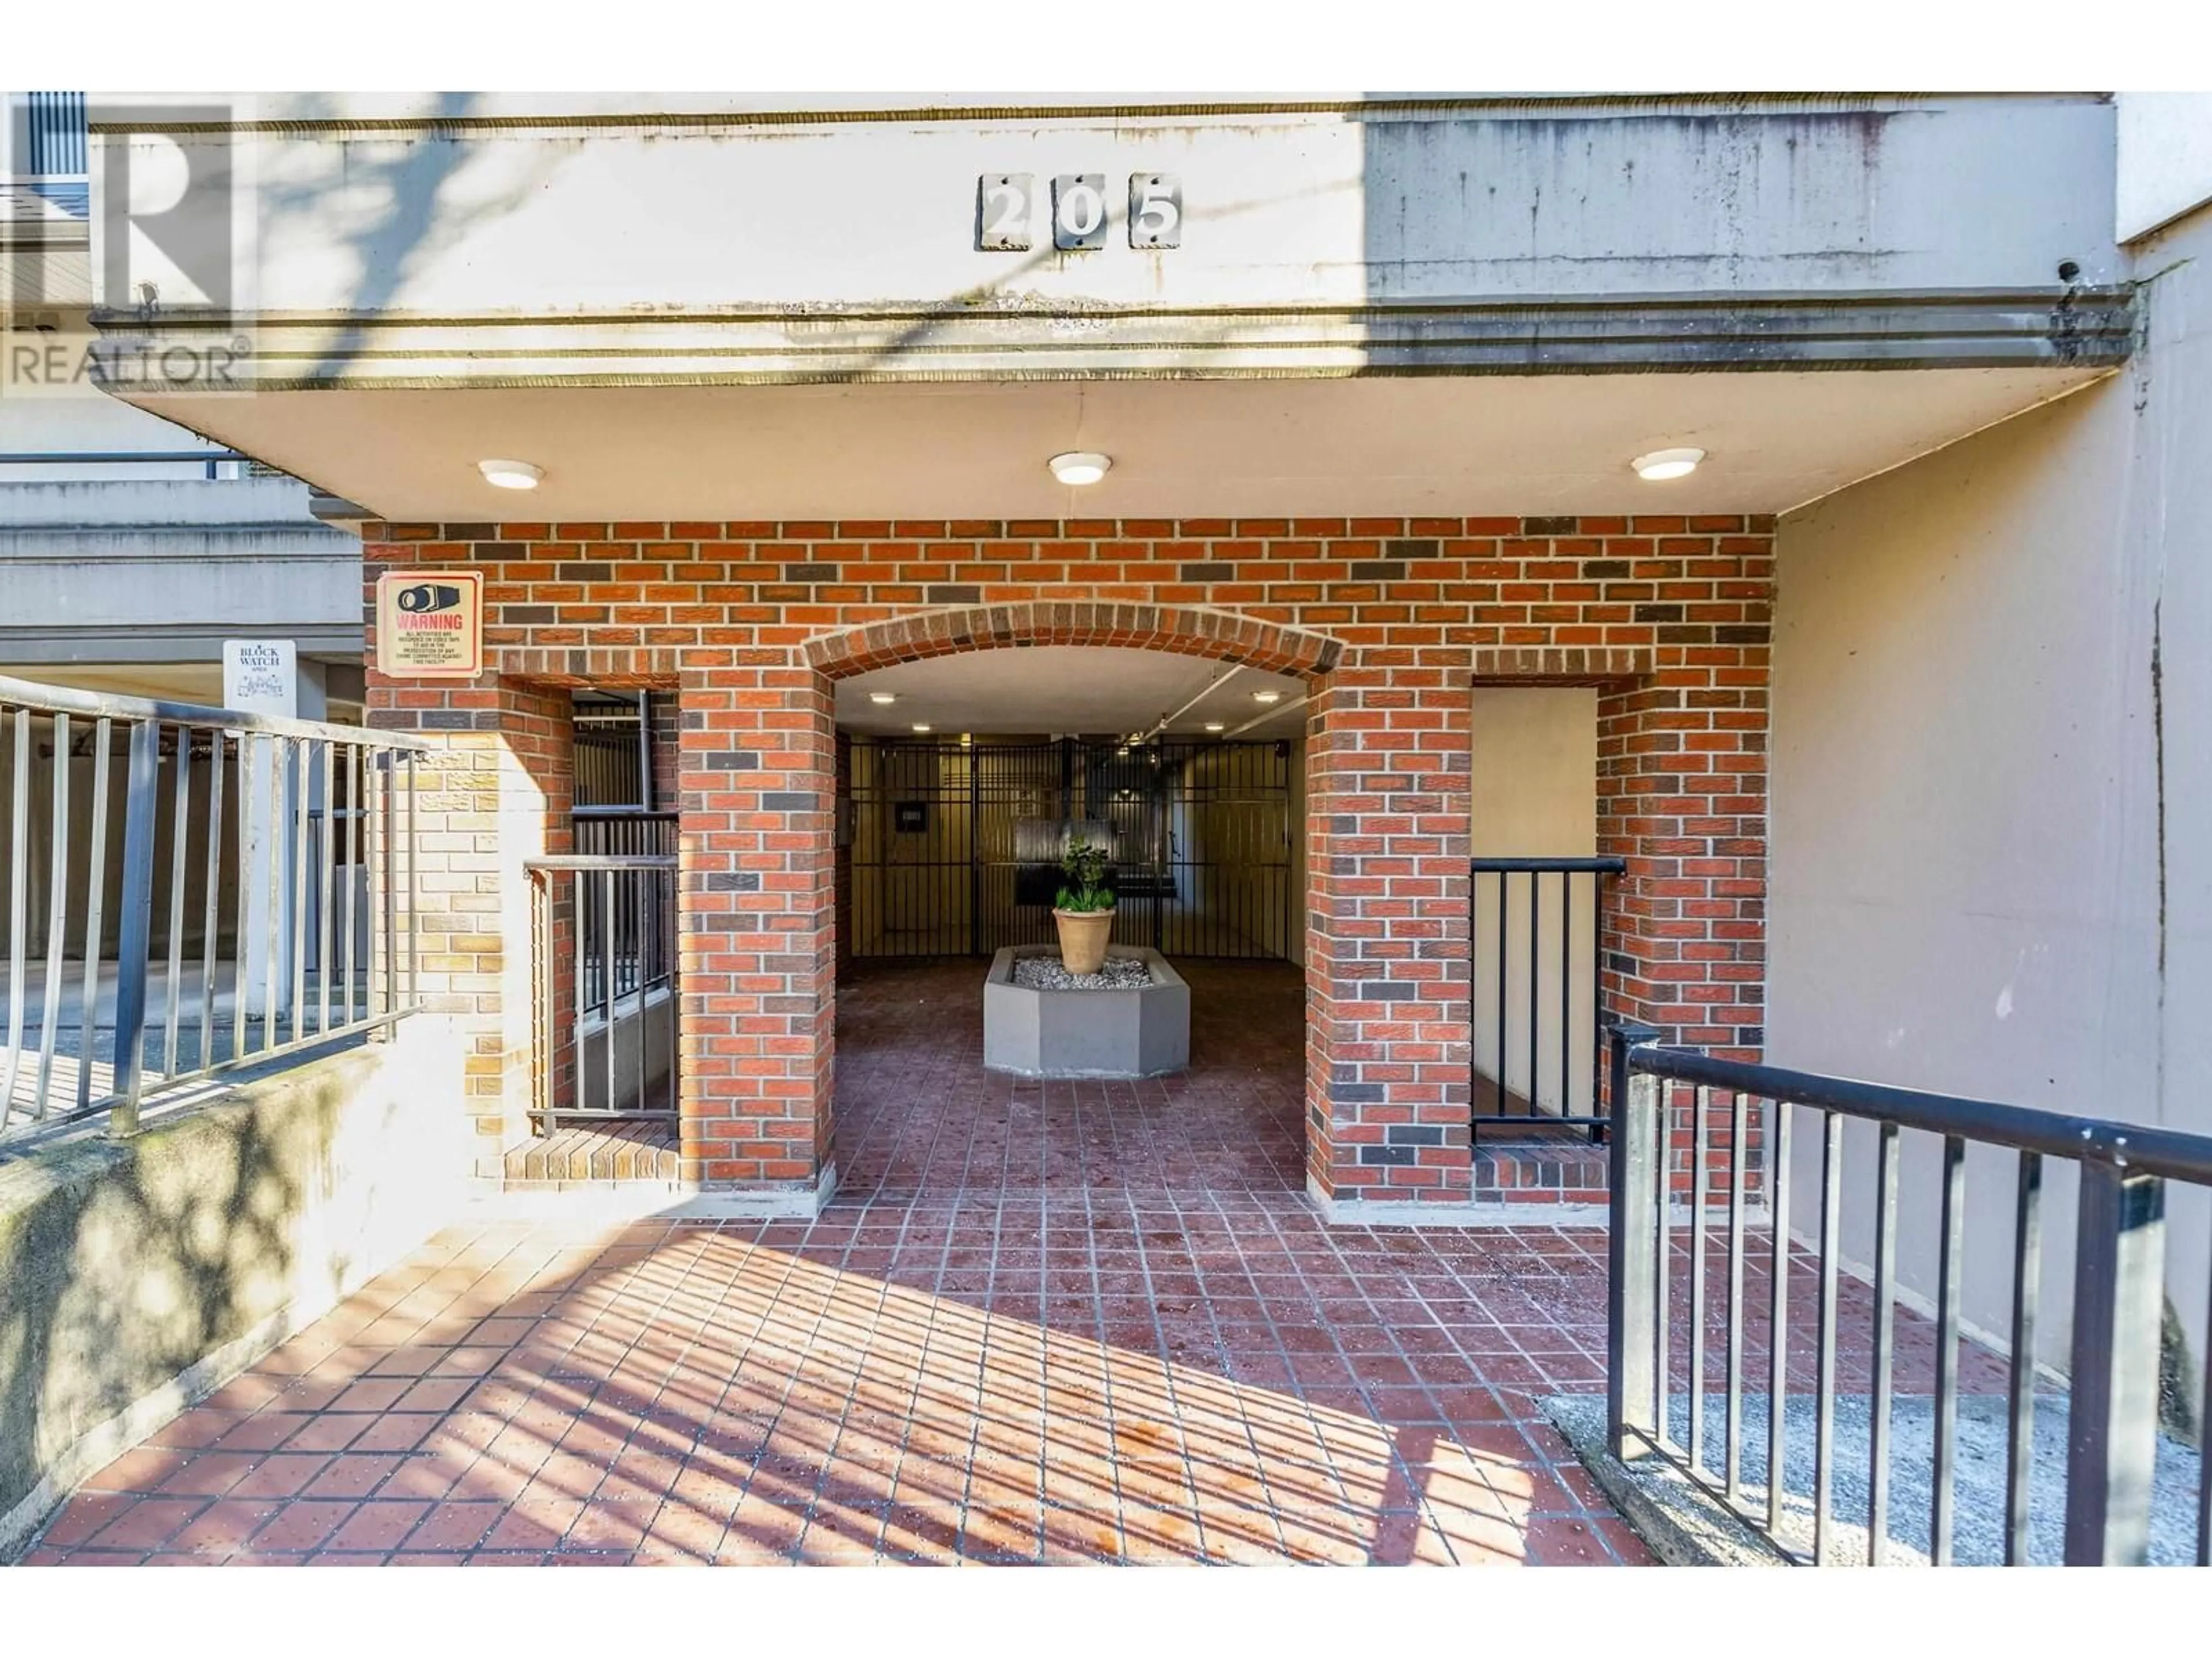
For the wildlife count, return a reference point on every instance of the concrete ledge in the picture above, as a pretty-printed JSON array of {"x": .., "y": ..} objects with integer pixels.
[
  {"x": 1683, "y": 1525},
  {"x": 1687, "y": 1524},
  {"x": 137, "y": 1277},
  {"x": 1413, "y": 1212},
  {"x": 774, "y": 1204}
]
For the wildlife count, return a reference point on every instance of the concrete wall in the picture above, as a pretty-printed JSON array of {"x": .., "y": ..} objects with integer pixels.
[
  {"x": 137, "y": 1277},
  {"x": 1992, "y": 793},
  {"x": 1534, "y": 795},
  {"x": 462, "y": 214},
  {"x": 105, "y": 571}
]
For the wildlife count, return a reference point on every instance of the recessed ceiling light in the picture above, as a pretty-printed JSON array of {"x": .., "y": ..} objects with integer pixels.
[
  {"x": 920, "y": 727},
  {"x": 1662, "y": 465},
  {"x": 883, "y": 699},
  {"x": 1079, "y": 467},
  {"x": 511, "y": 475},
  {"x": 1267, "y": 697},
  {"x": 1215, "y": 726}
]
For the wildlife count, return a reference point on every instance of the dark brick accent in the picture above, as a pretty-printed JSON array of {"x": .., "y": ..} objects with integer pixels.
[
  {"x": 1741, "y": 634},
  {"x": 809, "y": 573},
  {"x": 731, "y": 760},
  {"x": 1414, "y": 1134},
  {"x": 1386, "y": 990},
  {"x": 1357, "y": 1094},
  {"x": 1417, "y": 548},
  {"x": 471, "y": 532},
  {"x": 732, "y": 881},
  {"x": 528, "y": 613},
  {"x": 1395, "y": 1155},
  {"x": 1376, "y": 570},
  {"x": 1658, "y": 613},
  {"x": 1565, "y": 525},
  {"x": 1596, "y": 568},
  {"x": 1217, "y": 570},
  {"x": 793, "y": 800},
  {"x": 588, "y": 572},
  {"x": 954, "y": 593}
]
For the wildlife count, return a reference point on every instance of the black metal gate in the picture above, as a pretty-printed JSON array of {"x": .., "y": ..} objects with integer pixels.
[{"x": 956, "y": 846}]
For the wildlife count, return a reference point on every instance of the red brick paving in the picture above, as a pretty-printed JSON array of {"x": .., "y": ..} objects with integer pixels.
[
  {"x": 1041, "y": 1323},
  {"x": 917, "y": 1113},
  {"x": 1041, "y": 1379}
]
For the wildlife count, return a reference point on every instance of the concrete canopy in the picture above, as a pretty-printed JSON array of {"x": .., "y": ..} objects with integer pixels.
[{"x": 1277, "y": 448}]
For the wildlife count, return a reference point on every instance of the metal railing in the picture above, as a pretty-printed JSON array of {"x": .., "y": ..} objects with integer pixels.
[
  {"x": 2112, "y": 1395},
  {"x": 1535, "y": 980},
  {"x": 604, "y": 964},
  {"x": 620, "y": 829},
  {"x": 247, "y": 904}
]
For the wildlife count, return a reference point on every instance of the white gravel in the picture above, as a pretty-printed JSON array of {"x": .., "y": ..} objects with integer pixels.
[{"x": 1051, "y": 974}]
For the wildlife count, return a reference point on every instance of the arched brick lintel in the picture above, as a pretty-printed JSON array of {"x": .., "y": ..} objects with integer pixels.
[{"x": 1191, "y": 631}]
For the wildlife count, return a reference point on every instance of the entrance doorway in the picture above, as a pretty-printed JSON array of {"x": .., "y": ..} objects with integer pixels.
[
  {"x": 1191, "y": 773},
  {"x": 955, "y": 844}
]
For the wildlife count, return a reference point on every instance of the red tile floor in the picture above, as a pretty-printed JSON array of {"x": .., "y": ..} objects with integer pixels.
[{"x": 1056, "y": 1322}]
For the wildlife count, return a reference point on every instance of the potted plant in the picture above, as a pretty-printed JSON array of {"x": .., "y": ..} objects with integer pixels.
[{"x": 1084, "y": 912}]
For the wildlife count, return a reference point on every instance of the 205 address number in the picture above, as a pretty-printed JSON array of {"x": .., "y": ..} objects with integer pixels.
[{"x": 1005, "y": 209}]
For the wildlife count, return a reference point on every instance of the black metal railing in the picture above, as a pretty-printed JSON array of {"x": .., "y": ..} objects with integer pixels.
[
  {"x": 2112, "y": 1467},
  {"x": 617, "y": 830},
  {"x": 257, "y": 894},
  {"x": 1535, "y": 933},
  {"x": 604, "y": 1041}
]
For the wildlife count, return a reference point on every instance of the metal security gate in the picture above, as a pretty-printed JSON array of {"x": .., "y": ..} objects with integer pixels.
[{"x": 956, "y": 846}]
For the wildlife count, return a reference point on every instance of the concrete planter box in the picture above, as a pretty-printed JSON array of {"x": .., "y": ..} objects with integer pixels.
[{"x": 1144, "y": 1031}]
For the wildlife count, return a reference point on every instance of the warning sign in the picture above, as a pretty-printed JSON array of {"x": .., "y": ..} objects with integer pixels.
[{"x": 429, "y": 623}]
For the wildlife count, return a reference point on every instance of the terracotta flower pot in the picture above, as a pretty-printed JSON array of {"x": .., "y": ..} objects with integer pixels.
[{"x": 1083, "y": 938}]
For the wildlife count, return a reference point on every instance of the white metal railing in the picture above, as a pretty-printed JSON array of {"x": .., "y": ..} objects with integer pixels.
[{"x": 247, "y": 904}]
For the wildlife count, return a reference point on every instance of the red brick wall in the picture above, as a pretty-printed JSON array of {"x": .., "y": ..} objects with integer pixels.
[{"x": 1668, "y": 616}]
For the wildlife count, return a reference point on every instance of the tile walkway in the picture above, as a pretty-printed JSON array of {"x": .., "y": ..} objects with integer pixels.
[{"x": 1041, "y": 1323}]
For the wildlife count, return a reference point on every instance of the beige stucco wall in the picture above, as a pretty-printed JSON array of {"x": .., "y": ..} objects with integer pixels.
[
  {"x": 1534, "y": 795},
  {"x": 1991, "y": 871}
]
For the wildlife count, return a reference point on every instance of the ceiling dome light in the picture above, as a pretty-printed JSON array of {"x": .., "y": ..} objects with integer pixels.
[
  {"x": 1269, "y": 697},
  {"x": 1215, "y": 726},
  {"x": 1662, "y": 465},
  {"x": 511, "y": 475},
  {"x": 883, "y": 699},
  {"x": 920, "y": 727},
  {"x": 1079, "y": 467}
]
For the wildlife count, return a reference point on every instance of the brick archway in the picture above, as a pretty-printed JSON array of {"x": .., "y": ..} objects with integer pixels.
[
  {"x": 1184, "y": 631},
  {"x": 1217, "y": 636}
]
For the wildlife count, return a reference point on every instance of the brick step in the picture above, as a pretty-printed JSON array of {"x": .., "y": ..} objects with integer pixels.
[{"x": 595, "y": 1153}]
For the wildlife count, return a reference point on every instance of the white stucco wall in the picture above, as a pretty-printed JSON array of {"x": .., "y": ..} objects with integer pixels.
[{"x": 1991, "y": 869}]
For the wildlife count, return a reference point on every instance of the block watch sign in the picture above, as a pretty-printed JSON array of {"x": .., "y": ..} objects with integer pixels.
[{"x": 429, "y": 624}]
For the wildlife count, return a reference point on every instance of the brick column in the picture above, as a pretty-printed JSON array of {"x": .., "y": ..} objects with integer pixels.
[
  {"x": 1682, "y": 797},
  {"x": 1387, "y": 971},
  {"x": 496, "y": 792},
  {"x": 758, "y": 929}
]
